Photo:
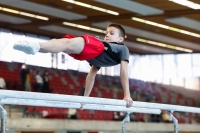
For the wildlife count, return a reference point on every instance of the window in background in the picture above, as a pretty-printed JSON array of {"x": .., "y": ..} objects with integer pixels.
[
  {"x": 192, "y": 83},
  {"x": 177, "y": 82},
  {"x": 130, "y": 66},
  {"x": 6, "y": 46},
  {"x": 184, "y": 65},
  {"x": 83, "y": 66},
  {"x": 136, "y": 67},
  {"x": 110, "y": 71},
  {"x": 166, "y": 81},
  {"x": 196, "y": 65},
  {"x": 54, "y": 61},
  {"x": 156, "y": 68},
  {"x": 62, "y": 61},
  {"x": 146, "y": 73},
  {"x": 117, "y": 70},
  {"x": 103, "y": 71},
  {"x": 159, "y": 81},
  {"x": 18, "y": 56},
  {"x": 169, "y": 66},
  {"x": 39, "y": 59},
  {"x": 75, "y": 64}
]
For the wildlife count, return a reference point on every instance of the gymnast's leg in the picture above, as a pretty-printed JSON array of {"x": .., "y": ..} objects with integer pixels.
[{"x": 69, "y": 46}]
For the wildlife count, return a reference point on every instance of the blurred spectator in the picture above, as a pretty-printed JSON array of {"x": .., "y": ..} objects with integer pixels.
[
  {"x": 25, "y": 112},
  {"x": 165, "y": 116},
  {"x": 27, "y": 84},
  {"x": 23, "y": 76},
  {"x": 154, "y": 117},
  {"x": 15, "y": 85},
  {"x": 133, "y": 117},
  {"x": 82, "y": 91},
  {"x": 45, "y": 86},
  {"x": 134, "y": 95},
  {"x": 119, "y": 116},
  {"x": 2, "y": 83},
  {"x": 122, "y": 115},
  {"x": 39, "y": 81},
  {"x": 116, "y": 116},
  {"x": 72, "y": 113},
  {"x": 139, "y": 98},
  {"x": 147, "y": 96},
  {"x": 28, "y": 111}
]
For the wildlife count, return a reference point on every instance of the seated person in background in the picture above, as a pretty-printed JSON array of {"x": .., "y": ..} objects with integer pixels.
[
  {"x": 2, "y": 83},
  {"x": 82, "y": 91},
  {"x": 72, "y": 113},
  {"x": 165, "y": 116},
  {"x": 39, "y": 81}
]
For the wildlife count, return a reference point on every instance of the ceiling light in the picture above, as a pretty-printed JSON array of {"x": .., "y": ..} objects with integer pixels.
[
  {"x": 166, "y": 27},
  {"x": 163, "y": 26},
  {"x": 163, "y": 45},
  {"x": 174, "y": 29},
  {"x": 185, "y": 32},
  {"x": 10, "y": 10},
  {"x": 70, "y": 1},
  {"x": 23, "y": 13},
  {"x": 141, "y": 40},
  {"x": 112, "y": 12},
  {"x": 187, "y": 3},
  {"x": 152, "y": 42},
  {"x": 91, "y": 6},
  {"x": 27, "y": 14},
  {"x": 70, "y": 24},
  {"x": 98, "y": 8},
  {"x": 179, "y": 48},
  {"x": 138, "y": 19},
  {"x": 83, "y": 27},
  {"x": 41, "y": 17},
  {"x": 170, "y": 46},
  {"x": 83, "y": 4},
  {"x": 151, "y": 23},
  {"x": 194, "y": 34}
]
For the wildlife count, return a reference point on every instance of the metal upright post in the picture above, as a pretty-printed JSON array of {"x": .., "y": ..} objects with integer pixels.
[
  {"x": 175, "y": 121},
  {"x": 3, "y": 119},
  {"x": 126, "y": 119}
]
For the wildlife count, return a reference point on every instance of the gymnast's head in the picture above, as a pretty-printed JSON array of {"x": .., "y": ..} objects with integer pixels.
[{"x": 114, "y": 33}]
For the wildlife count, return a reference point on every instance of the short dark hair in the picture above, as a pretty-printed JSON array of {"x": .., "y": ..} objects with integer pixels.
[{"x": 121, "y": 29}]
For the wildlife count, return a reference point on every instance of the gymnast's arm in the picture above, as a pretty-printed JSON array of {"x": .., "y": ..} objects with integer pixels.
[
  {"x": 125, "y": 83},
  {"x": 90, "y": 80}
]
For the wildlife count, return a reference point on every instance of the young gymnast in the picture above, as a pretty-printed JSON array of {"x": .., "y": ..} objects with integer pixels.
[{"x": 98, "y": 53}]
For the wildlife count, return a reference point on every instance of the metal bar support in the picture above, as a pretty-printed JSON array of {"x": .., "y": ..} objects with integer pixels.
[
  {"x": 126, "y": 119},
  {"x": 175, "y": 121},
  {"x": 3, "y": 119}
]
